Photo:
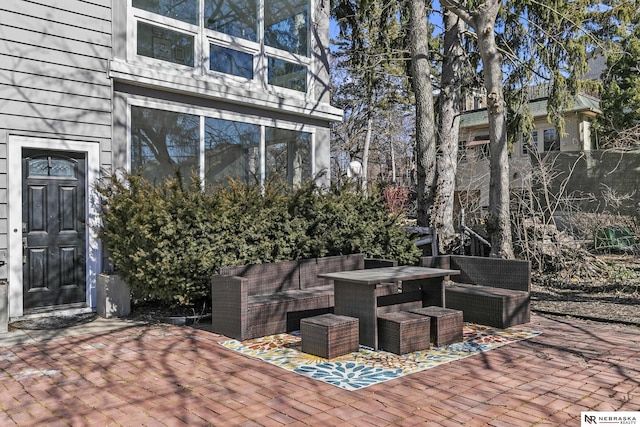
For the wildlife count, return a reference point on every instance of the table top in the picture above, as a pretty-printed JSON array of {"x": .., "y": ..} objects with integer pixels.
[{"x": 372, "y": 276}]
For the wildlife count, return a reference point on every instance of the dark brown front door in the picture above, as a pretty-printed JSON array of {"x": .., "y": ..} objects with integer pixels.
[{"x": 53, "y": 228}]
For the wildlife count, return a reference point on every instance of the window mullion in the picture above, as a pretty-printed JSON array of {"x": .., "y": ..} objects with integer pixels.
[
  {"x": 203, "y": 55},
  {"x": 202, "y": 157},
  {"x": 262, "y": 58},
  {"x": 263, "y": 155},
  {"x": 313, "y": 155}
]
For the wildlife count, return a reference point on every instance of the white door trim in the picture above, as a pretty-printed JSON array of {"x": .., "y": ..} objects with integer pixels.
[{"x": 14, "y": 161}]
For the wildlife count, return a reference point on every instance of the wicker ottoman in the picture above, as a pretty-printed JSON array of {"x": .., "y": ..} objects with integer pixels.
[
  {"x": 403, "y": 332},
  {"x": 446, "y": 324},
  {"x": 329, "y": 335}
]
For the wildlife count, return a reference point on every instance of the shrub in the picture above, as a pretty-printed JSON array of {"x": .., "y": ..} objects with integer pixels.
[{"x": 167, "y": 239}]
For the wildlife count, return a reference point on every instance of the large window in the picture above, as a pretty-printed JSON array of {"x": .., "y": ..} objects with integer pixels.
[
  {"x": 288, "y": 155},
  {"x": 165, "y": 142},
  {"x": 232, "y": 150},
  {"x": 286, "y": 25},
  {"x": 229, "y": 38},
  {"x": 237, "y": 18}
]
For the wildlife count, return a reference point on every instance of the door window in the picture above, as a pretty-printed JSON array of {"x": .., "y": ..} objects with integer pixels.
[{"x": 51, "y": 166}]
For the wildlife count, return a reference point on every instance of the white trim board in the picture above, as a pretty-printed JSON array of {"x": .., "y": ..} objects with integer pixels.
[{"x": 93, "y": 251}]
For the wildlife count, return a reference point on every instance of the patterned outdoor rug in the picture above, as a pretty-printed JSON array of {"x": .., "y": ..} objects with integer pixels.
[{"x": 368, "y": 367}]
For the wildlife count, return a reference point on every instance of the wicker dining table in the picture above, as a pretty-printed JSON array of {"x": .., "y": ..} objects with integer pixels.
[{"x": 355, "y": 292}]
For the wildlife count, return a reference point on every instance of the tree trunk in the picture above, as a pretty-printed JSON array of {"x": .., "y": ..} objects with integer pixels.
[
  {"x": 450, "y": 100},
  {"x": 499, "y": 221},
  {"x": 483, "y": 18},
  {"x": 425, "y": 132},
  {"x": 393, "y": 163},
  {"x": 365, "y": 152}
]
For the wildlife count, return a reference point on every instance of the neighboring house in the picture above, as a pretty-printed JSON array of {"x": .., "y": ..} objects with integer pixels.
[
  {"x": 234, "y": 88},
  {"x": 472, "y": 180}
]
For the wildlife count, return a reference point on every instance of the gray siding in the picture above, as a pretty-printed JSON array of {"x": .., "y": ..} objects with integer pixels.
[
  {"x": 320, "y": 46},
  {"x": 53, "y": 68},
  {"x": 53, "y": 75}
]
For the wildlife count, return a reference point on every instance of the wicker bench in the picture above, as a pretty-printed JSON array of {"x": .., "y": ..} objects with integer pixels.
[
  {"x": 490, "y": 291},
  {"x": 256, "y": 300}
]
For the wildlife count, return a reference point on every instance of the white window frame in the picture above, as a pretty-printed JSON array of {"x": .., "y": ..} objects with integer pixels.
[
  {"x": 289, "y": 57},
  {"x": 542, "y": 131},
  {"x": 204, "y": 36},
  {"x": 535, "y": 144},
  {"x": 202, "y": 113},
  {"x": 168, "y": 24},
  {"x": 251, "y": 50}
]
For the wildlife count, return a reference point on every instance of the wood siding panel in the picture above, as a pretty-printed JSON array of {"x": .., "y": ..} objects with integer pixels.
[
  {"x": 35, "y": 67},
  {"x": 53, "y": 98},
  {"x": 44, "y": 111},
  {"x": 14, "y": 80},
  {"x": 103, "y": 3},
  {"x": 85, "y": 7},
  {"x": 56, "y": 128},
  {"x": 80, "y": 17},
  {"x": 53, "y": 67},
  {"x": 45, "y": 57},
  {"x": 83, "y": 53},
  {"x": 43, "y": 27}
]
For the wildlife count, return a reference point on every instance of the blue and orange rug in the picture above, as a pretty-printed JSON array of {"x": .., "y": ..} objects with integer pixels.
[{"x": 367, "y": 367}]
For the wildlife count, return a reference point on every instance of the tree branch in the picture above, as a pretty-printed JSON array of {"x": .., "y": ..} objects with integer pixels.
[{"x": 457, "y": 8}]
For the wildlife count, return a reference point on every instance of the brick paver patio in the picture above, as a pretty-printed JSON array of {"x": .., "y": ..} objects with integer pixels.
[{"x": 179, "y": 376}]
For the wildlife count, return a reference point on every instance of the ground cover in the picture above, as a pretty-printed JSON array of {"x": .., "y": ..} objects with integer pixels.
[{"x": 613, "y": 295}]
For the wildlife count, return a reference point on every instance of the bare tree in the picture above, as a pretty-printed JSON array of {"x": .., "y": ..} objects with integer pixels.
[
  {"x": 425, "y": 129},
  {"x": 482, "y": 19},
  {"x": 453, "y": 65}
]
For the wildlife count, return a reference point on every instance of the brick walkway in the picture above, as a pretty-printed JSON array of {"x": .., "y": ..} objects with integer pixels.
[{"x": 178, "y": 376}]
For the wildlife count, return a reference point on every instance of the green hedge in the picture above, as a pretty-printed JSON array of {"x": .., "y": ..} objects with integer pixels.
[{"x": 167, "y": 239}]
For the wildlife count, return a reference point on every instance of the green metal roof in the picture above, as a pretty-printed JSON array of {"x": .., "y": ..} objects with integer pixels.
[{"x": 538, "y": 108}]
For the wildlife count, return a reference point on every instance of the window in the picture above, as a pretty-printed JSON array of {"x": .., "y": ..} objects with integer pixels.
[
  {"x": 42, "y": 166},
  {"x": 288, "y": 155},
  {"x": 287, "y": 74},
  {"x": 530, "y": 145},
  {"x": 229, "y": 61},
  {"x": 480, "y": 145},
  {"x": 286, "y": 25},
  {"x": 237, "y": 18},
  {"x": 551, "y": 140},
  {"x": 182, "y": 10},
  {"x": 462, "y": 150},
  {"x": 233, "y": 37},
  {"x": 167, "y": 45},
  {"x": 165, "y": 142},
  {"x": 232, "y": 150}
]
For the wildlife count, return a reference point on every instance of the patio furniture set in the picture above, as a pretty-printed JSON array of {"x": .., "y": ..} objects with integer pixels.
[{"x": 339, "y": 303}]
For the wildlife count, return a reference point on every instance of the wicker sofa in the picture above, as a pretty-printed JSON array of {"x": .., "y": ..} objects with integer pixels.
[
  {"x": 489, "y": 291},
  {"x": 250, "y": 301}
]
